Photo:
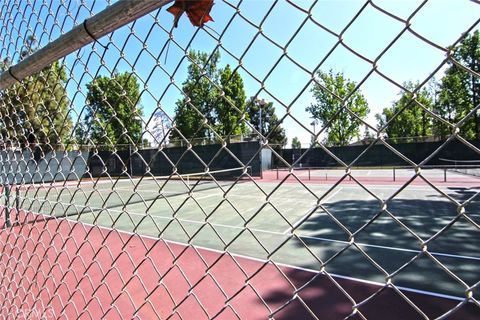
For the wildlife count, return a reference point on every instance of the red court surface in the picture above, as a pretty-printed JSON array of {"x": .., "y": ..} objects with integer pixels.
[{"x": 67, "y": 270}]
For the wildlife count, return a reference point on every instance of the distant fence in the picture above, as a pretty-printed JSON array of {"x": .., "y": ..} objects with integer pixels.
[
  {"x": 27, "y": 167},
  {"x": 379, "y": 155},
  {"x": 163, "y": 162}
]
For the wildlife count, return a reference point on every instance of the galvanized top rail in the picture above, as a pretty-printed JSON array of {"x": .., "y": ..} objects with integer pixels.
[{"x": 92, "y": 29}]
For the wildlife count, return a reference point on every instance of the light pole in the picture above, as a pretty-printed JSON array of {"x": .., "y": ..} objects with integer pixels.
[
  {"x": 260, "y": 120},
  {"x": 261, "y": 104},
  {"x": 139, "y": 119},
  {"x": 313, "y": 123}
]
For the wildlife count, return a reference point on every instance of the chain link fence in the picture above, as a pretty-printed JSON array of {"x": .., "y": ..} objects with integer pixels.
[{"x": 140, "y": 153}]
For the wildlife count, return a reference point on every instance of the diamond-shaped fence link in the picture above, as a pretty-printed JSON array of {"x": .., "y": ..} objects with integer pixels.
[{"x": 288, "y": 160}]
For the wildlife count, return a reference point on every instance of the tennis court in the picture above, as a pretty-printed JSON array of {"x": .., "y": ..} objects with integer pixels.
[
  {"x": 228, "y": 160},
  {"x": 357, "y": 235}
]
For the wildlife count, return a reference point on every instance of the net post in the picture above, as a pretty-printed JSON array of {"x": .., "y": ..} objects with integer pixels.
[
  {"x": 277, "y": 172},
  {"x": 309, "y": 174},
  {"x": 393, "y": 173},
  {"x": 17, "y": 205},
  {"x": 8, "y": 224},
  {"x": 444, "y": 174},
  {"x": 260, "y": 157}
]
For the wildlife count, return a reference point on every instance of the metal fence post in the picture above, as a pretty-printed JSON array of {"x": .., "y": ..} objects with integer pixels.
[
  {"x": 17, "y": 205},
  {"x": 7, "y": 206}
]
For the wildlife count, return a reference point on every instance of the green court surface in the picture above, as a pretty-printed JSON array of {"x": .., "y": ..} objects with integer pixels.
[{"x": 345, "y": 229}]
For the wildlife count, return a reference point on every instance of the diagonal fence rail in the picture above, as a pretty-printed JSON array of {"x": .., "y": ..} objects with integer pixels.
[{"x": 145, "y": 171}]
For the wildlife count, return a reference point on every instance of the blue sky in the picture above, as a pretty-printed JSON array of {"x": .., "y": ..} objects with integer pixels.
[
  {"x": 306, "y": 43},
  {"x": 408, "y": 59}
]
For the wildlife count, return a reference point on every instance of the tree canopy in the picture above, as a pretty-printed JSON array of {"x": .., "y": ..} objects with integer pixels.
[
  {"x": 456, "y": 97},
  {"x": 334, "y": 93},
  {"x": 459, "y": 91},
  {"x": 296, "y": 143},
  {"x": 113, "y": 114},
  {"x": 231, "y": 106},
  {"x": 214, "y": 100},
  {"x": 408, "y": 118},
  {"x": 36, "y": 111},
  {"x": 199, "y": 90}
]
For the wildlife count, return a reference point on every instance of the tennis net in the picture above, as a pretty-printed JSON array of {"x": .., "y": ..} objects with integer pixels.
[
  {"x": 468, "y": 167},
  {"x": 27, "y": 203}
]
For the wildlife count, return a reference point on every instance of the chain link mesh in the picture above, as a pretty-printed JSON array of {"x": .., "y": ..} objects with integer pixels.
[{"x": 113, "y": 209}]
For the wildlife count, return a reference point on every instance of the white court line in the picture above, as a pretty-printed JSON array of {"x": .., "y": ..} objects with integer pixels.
[
  {"x": 332, "y": 195},
  {"x": 433, "y": 253},
  {"x": 206, "y": 196},
  {"x": 313, "y": 187},
  {"x": 302, "y": 219},
  {"x": 423, "y": 292}
]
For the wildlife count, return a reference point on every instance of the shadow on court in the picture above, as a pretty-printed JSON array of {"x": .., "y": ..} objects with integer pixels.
[
  {"x": 143, "y": 262},
  {"x": 322, "y": 297},
  {"x": 389, "y": 242},
  {"x": 389, "y": 248}
]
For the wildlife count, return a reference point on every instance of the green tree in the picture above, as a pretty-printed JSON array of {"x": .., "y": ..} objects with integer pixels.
[
  {"x": 412, "y": 119},
  {"x": 331, "y": 93},
  {"x": 459, "y": 91},
  {"x": 200, "y": 91},
  {"x": 296, "y": 143},
  {"x": 113, "y": 114},
  {"x": 37, "y": 109},
  {"x": 263, "y": 118},
  {"x": 214, "y": 101},
  {"x": 231, "y": 106}
]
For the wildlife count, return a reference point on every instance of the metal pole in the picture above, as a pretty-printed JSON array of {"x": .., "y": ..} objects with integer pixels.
[
  {"x": 313, "y": 137},
  {"x": 8, "y": 224},
  {"x": 260, "y": 156},
  {"x": 101, "y": 24},
  {"x": 393, "y": 173},
  {"x": 444, "y": 174},
  {"x": 260, "y": 121},
  {"x": 130, "y": 159},
  {"x": 17, "y": 205}
]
